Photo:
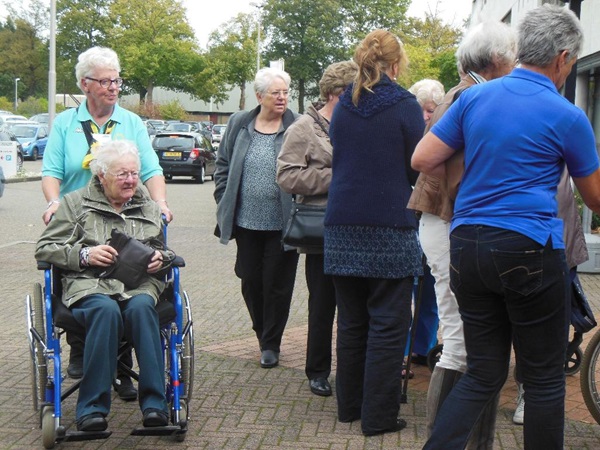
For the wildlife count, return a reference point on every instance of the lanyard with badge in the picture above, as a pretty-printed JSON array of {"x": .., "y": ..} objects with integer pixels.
[{"x": 94, "y": 138}]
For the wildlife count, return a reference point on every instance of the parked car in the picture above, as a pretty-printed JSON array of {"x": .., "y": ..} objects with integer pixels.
[
  {"x": 6, "y": 118},
  {"x": 41, "y": 118},
  {"x": 200, "y": 127},
  {"x": 185, "y": 154},
  {"x": 157, "y": 124},
  {"x": 33, "y": 138},
  {"x": 6, "y": 136},
  {"x": 180, "y": 127},
  {"x": 217, "y": 132}
]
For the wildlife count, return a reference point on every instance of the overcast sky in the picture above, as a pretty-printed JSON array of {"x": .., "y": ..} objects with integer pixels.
[{"x": 205, "y": 16}]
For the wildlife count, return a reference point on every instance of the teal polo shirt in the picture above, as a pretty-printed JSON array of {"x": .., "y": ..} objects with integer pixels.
[{"x": 67, "y": 146}]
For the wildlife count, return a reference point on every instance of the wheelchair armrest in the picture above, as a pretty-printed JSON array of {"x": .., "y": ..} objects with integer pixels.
[
  {"x": 43, "y": 265},
  {"x": 178, "y": 262}
]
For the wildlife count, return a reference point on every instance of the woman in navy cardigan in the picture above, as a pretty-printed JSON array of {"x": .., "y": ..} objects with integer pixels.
[{"x": 371, "y": 245}]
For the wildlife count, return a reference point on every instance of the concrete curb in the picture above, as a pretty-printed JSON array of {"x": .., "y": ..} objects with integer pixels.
[{"x": 23, "y": 179}]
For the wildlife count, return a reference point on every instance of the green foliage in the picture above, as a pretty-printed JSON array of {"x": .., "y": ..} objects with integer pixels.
[
  {"x": 232, "y": 54},
  {"x": 361, "y": 17},
  {"x": 33, "y": 106},
  {"x": 6, "y": 104},
  {"x": 173, "y": 111}
]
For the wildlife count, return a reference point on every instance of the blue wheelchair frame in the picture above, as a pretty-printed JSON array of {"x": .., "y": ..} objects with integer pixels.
[{"x": 177, "y": 341}]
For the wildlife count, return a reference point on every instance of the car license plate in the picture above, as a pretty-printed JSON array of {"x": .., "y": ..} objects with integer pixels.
[{"x": 172, "y": 155}]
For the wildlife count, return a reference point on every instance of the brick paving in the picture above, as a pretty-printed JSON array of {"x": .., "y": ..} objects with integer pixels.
[{"x": 236, "y": 404}]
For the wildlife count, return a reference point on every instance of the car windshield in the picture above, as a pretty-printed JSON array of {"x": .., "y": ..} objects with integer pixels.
[
  {"x": 219, "y": 129},
  {"x": 179, "y": 142},
  {"x": 24, "y": 132},
  {"x": 179, "y": 127}
]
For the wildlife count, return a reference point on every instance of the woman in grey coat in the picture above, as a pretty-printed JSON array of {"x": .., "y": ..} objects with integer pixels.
[{"x": 252, "y": 209}]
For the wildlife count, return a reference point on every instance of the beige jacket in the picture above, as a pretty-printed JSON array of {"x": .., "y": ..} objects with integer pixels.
[{"x": 304, "y": 163}]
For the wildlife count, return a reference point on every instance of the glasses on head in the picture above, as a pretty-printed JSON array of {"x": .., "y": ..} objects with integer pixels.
[
  {"x": 277, "y": 94},
  {"x": 106, "y": 82},
  {"x": 122, "y": 176}
]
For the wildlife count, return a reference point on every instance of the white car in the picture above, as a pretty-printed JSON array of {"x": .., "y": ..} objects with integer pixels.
[{"x": 217, "y": 132}]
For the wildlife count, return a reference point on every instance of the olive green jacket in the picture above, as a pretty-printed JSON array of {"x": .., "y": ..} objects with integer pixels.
[{"x": 85, "y": 218}]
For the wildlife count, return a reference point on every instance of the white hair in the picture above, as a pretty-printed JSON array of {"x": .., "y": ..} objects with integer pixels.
[
  {"x": 428, "y": 90},
  {"x": 266, "y": 76},
  {"x": 95, "y": 58},
  {"x": 106, "y": 154}
]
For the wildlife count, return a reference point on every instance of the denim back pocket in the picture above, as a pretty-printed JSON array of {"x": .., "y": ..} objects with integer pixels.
[
  {"x": 455, "y": 254},
  {"x": 520, "y": 271}
]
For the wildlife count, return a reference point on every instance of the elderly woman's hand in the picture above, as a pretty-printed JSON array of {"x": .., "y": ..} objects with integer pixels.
[
  {"x": 156, "y": 262},
  {"x": 102, "y": 255}
]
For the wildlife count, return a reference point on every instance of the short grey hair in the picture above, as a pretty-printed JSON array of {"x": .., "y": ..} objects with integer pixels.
[
  {"x": 485, "y": 44},
  {"x": 266, "y": 76},
  {"x": 546, "y": 31},
  {"x": 95, "y": 58},
  {"x": 108, "y": 153},
  {"x": 428, "y": 90}
]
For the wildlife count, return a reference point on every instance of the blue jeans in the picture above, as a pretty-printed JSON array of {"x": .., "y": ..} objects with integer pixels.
[{"x": 509, "y": 289}]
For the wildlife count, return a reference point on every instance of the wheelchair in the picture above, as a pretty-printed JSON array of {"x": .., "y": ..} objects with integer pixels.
[{"x": 48, "y": 318}]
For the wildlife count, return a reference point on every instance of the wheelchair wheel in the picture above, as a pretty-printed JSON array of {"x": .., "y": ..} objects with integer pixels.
[
  {"x": 39, "y": 369},
  {"x": 187, "y": 360},
  {"x": 433, "y": 356},
  {"x": 573, "y": 362},
  {"x": 48, "y": 431},
  {"x": 590, "y": 376}
]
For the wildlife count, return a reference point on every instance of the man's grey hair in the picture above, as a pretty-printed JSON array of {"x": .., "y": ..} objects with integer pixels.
[
  {"x": 95, "y": 58},
  {"x": 485, "y": 44},
  {"x": 266, "y": 76},
  {"x": 546, "y": 31},
  {"x": 108, "y": 153}
]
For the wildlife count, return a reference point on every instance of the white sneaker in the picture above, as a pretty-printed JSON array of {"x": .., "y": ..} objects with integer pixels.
[{"x": 519, "y": 415}]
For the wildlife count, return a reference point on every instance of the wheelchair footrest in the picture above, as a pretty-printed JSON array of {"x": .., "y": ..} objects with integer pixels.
[
  {"x": 84, "y": 435},
  {"x": 170, "y": 430}
]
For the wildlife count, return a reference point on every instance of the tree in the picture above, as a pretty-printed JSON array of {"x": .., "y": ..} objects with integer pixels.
[
  {"x": 80, "y": 25},
  {"x": 362, "y": 17},
  {"x": 155, "y": 44},
  {"x": 232, "y": 50},
  {"x": 23, "y": 49},
  {"x": 308, "y": 36},
  {"x": 430, "y": 45}
]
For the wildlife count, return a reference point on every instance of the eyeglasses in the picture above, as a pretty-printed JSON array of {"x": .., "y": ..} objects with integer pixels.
[
  {"x": 122, "y": 176},
  {"x": 107, "y": 82},
  {"x": 277, "y": 94}
]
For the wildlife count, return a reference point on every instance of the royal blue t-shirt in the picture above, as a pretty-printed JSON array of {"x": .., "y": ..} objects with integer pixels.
[{"x": 517, "y": 132}]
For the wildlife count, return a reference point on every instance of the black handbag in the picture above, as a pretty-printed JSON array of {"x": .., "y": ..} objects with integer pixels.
[
  {"x": 305, "y": 227},
  {"x": 582, "y": 317},
  {"x": 131, "y": 265}
]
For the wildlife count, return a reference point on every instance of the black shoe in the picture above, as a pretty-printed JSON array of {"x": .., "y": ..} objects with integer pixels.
[
  {"x": 155, "y": 418},
  {"x": 92, "y": 422},
  {"x": 420, "y": 360},
  {"x": 269, "y": 359},
  {"x": 400, "y": 425},
  {"x": 320, "y": 386},
  {"x": 124, "y": 387},
  {"x": 75, "y": 367}
]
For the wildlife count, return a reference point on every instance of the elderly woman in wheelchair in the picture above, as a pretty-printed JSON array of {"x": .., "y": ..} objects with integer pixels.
[{"x": 77, "y": 242}]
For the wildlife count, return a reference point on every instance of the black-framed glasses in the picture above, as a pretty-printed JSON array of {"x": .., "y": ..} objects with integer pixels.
[{"x": 106, "y": 82}]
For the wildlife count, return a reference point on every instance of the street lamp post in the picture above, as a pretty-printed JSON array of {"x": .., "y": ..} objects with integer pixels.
[
  {"x": 259, "y": 7},
  {"x": 16, "y": 94}
]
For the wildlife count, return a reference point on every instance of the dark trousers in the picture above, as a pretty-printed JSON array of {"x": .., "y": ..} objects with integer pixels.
[
  {"x": 268, "y": 274},
  {"x": 106, "y": 321},
  {"x": 509, "y": 289},
  {"x": 321, "y": 314},
  {"x": 373, "y": 320}
]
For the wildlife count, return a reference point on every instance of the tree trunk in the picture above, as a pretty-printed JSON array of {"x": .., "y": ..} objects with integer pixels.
[
  {"x": 149, "y": 89},
  {"x": 242, "y": 96},
  {"x": 143, "y": 92},
  {"x": 301, "y": 95}
]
